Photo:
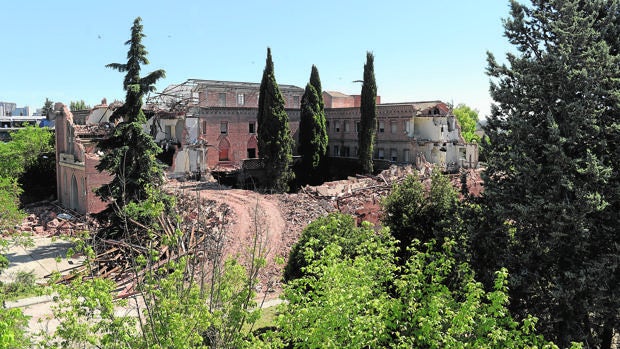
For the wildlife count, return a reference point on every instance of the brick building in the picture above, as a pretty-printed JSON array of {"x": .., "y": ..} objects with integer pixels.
[{"x": 76, "y": 158}]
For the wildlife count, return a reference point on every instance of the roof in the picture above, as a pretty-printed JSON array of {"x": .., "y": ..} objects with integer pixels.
[
  {"x": 337, "y": 94},
  {"x": 238, "y": 84}
]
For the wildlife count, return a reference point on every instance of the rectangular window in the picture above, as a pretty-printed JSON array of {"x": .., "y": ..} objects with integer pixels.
[
  {"x": 295, "y": 101},
  {"x": 407, "y": 126},
  {"x": 252, "y": 127},
  {"x": 357, "y": 151},
  {"x": 223, "y": 127},
  {"x": 393, "y": 127},
  {"x": 251, "y": 153},
  {"x": 347, "y": 128},
  {"x": 337, "y": 126},
  {"x": 357, "y": 126},
  {"x": 346, "y": 152},
  {"x": 336, "y": 150},
  {"x": 327, "y": 125},
  {"x": 381, "y": 126},
  {"x": 204, "y": 127},
  {"x": 221, "y": 99},
  {"x": 380, "y": 154},
  {"x": 240, "y": 99},
  {"x": 393, "y": 155},
  {"x": 406, "y": 155}
]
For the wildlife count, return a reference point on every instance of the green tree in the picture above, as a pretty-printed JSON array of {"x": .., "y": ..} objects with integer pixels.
[
  {"x": 366, "y": 300},
  {"x": 312, "y": 132},
  {"x": 78, "y": 105},
  {"x": 414, "y": 213},
  {"x": 48, "y": 105},
  {"x": 552, "y": 180},
  {"x": 275, "y": 143},
  {"x": 368, "y": 112},
  {"x": 335, "y": 228},
  {"x": 10, "y": 213},
  {"x": 468, "y": 120},
  {"x": 129, "y": 153}
]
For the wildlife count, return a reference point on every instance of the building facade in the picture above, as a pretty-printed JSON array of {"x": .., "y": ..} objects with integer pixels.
[{"x": 77, "y": 157}]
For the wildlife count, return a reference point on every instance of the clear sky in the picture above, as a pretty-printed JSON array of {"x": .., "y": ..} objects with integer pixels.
[{"x": 424, "y": 50}]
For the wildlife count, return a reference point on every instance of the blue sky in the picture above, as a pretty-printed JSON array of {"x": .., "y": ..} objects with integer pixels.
[{"x": 424, "y": 50}]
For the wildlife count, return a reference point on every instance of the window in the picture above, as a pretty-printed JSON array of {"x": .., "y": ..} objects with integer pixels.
[
  {"x": 204, "y": 127},
  {"x": 381, "y": 126},
  {"x": 393, "y": 127},
  {"x": 337, "y": 126},
  {"x": 380, "y": 154},
  {"x": 221, "y": 99},
  {"x": 393, "y": 155},
  {"x": 327, "y": 125},
  {"x": 347, "y": 127},
  {"x": 295, "y": 101},
  {"x": 252, "y": 127},
  {"x": 357, "y": 126},
  {"x": 346, "y": 152},
  {"x": 168, "y": 132},
  {"x": 406, "y": 155},
  {"x": 252, "y": 153},
  {"x": 224, "y": 127},
  {"x": 357, "y": 151},
  {"x": 240, "y": 99},
  {"x": 336, "y": 150},
  {"x": 407, "y": 126}
]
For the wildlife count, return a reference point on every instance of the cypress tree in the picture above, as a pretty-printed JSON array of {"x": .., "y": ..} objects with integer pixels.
[
  {"x": 368, "y": 110},
  {"x": 553, "y": 172},
  {"x": 129, "y": 153},
  {"x": 312, "y": 132},
  {"x": 275, "y": 143}
]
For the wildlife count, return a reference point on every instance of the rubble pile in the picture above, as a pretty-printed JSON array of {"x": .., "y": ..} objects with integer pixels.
[{"x": 46, "y": 218}]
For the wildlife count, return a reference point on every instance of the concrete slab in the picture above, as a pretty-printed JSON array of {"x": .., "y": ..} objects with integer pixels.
[{"x": 46, "y": 256}]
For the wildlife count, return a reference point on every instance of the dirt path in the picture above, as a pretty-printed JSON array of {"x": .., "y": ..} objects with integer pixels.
[{"x": 253, "y": 215}]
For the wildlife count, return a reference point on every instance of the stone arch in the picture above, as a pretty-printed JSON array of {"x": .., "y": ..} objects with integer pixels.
[
  {"x": 74, "y": 202},
  {"x": 252, "y": 147},
  {"x": 224, "y": 150}
]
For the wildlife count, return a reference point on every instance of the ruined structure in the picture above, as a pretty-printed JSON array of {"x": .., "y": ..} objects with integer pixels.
[{"x": 77, "y": 156}]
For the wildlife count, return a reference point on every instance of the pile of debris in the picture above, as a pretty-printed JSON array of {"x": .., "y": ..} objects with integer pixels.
[{"x": 46, "y": 218}]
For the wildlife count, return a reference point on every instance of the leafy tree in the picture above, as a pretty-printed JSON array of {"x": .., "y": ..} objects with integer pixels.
[
  {"x": 312, "y": 131},
  {"x": 47, "y": 107},
  {"x": 336, "y": 228},
  {"x": 366, "y": 300},
  {"x": 368, "y": 110},
  {"x": 78, "y": 105},
  {"x": 130, "y": 152},
  {"x": 552, "y": 180},
  {"x": 468, "y": 120},
  {"x": 414, "y": 213},
  {"x": 10, "y": 213},
  {"x": 275, "y": 143}
]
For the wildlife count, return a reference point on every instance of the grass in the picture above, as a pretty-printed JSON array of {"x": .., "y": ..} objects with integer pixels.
[
  {"x": 267, "y": 319},
  {"x": 23, "y": 286}
]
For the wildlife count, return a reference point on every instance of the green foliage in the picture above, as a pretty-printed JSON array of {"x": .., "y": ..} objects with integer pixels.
[
  {"x": 78, "y": 105},
  {"x": 368, "y": 111},
  {"x": 13, "y": 325},
  {"x": 312, "y": 132},
  {"x": 335, "y": 228},
  {"x": 366, "y": 300},
  {"x": 130, "y": 153},
  {"x": 413, "y": 213},
  {"x": 275, "y": 143},
  {"x": 48, "y": 105},
  {"x": 468, "y": 120},
  {"x": 24, "y": 149},
  {"x": 10, "y": 214},
  {"x": 552, "y": 180}
]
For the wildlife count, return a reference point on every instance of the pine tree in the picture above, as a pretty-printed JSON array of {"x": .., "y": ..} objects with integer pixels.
[
  {"x": 129, "y": 151},
  {"x": 552, "y": 178},
  {"x": 275, "y": 143},
  {"x": 312, "y": 132},
  {"x": 368, "y": 110}
]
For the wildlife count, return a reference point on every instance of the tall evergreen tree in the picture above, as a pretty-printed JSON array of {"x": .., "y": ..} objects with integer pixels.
[
  {"x": 275, "y": 143},
  {"x": 368, "y": 110},
  {"x": 312, "y": 132},
  {"x": 553, "y": 172},
  {"x": 129, "y": 153}
]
